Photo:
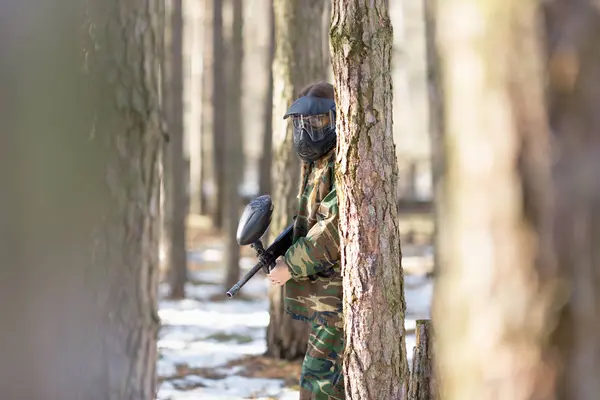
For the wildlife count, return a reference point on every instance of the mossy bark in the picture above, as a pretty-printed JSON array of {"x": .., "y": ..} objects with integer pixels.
[
  {"x": 375, "y": 358},
  {"x": 298, "y": 62}
]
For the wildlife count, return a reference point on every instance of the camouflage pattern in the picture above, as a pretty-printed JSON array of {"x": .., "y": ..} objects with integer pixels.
[
  {"x": 322, "y": 373},
  {"x": 314, "y": 293}
]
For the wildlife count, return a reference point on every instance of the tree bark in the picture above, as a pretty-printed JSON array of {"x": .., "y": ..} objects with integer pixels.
[
  {"x": 266, "y": 159},
  {"x": 375, "y": 364},
  {"x": 298, "y": 62},
  {"x": 496, "y": 292},
  {"x": 422, "y": 379},
  {"x": 219, "y": 116},
  {"x": 573, "y": 70},
  {"x": 79, "y": 218},
  {"x": 436, "y": 129},
  {"x": 175, "y": 205},
  {"x": 234, "y": 163}
]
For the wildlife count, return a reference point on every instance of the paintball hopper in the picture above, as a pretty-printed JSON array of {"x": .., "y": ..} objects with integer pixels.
[{"x": 254, "y": 220}]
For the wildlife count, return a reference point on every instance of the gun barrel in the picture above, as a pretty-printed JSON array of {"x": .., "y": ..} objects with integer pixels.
[{"x": 236, "y": 288}]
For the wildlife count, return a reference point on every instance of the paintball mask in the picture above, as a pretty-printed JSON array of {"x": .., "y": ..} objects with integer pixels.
[{"x": 313, "y": 120}]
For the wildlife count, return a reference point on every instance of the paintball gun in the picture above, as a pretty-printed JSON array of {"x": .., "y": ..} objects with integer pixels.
[{"x": 252, "y": 225}]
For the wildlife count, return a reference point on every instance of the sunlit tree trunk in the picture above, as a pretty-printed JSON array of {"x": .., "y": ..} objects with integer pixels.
[
  {"x": 497, "y": 288},
  {"x": 375, "y": 365},
  {"x": 234, "y": 163},
  {"x": 79, "y": 216},
  {"x": 175, "y": 203},
  {"x": 298, "y": 62}
]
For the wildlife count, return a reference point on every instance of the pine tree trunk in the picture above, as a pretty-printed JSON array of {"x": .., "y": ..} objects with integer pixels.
[
  {"x": 375, "y": 364},
  {"x": 79, "y": 218},
  {"x": 422, "y": 379},
  {"x": 298, "y": 62},
  {"x": 234, "y": 165},
  {"x": 266, "y": 159},
  {"x": 219, "y": 116},
  {"x": 175, "y": 206},
  {"x": 206, "y": 126},
  {"x": 493, "y": 302},
  {"x": 573, "y": 49}
]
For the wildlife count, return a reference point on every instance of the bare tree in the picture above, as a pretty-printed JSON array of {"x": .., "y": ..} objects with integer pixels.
[
  {"x": 79, "y": 218},
  {"x": 375, "y": 364},
  {"x": 234, "y": 163},
  {"x": 175, "y": 204},
  {"x": 298, "y": 62}
]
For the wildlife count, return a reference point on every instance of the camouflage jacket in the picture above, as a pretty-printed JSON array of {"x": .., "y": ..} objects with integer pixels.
[{"x": 314, "y": 293}]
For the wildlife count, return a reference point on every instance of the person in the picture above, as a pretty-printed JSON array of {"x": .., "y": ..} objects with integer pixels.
[{"x": 310, "y": 269}]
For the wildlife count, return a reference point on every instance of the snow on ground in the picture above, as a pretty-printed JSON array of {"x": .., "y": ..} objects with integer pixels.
[{"x": 207, "y": 331}]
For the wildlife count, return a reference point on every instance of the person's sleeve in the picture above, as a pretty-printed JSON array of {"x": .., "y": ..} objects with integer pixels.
[{"x": 320, "y": 248}]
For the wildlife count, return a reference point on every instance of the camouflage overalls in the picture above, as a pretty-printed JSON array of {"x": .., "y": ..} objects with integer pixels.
[{"x": 314, "y": 293}]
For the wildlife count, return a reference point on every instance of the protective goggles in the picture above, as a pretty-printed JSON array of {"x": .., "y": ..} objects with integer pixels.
[
  {"x": 316, "y": 126},
  {"x": 313, "y": 115}
]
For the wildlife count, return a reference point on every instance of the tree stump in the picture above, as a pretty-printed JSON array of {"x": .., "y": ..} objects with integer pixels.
[{"x": 422, "y": 384}]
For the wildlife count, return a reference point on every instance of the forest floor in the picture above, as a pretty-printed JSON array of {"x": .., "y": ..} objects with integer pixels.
[{"x": 211, "y": 347}]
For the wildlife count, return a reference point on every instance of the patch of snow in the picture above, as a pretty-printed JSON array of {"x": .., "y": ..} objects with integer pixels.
[{"x": 229, "y": 388}]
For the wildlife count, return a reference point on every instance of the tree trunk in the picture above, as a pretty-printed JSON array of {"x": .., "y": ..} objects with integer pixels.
[
  {"x": 573, "y": 50},
  {"x": 219, "y": 116},
  {"x": 207, "y": 202},
  {"x": 234, "y": 165},
  {"x": 375, "y": 364},
  {"x": 497, "y": 288},
  {"x": 175, "y": 206},
  {"x": 436, "y": 129},
  {"x": 193, "y": 44},
  {"x": 422, "y": 379},
  {"x": 298, "y": 62},
  {"x": 266, "y": 159},
  {"x": 79, "y": 218}
]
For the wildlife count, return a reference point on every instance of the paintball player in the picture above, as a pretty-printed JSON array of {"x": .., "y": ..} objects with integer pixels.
[{"x": 310, "y": 269}]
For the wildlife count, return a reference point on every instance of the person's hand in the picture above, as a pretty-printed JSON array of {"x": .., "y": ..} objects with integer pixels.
[{"x": 280, "y": 274}]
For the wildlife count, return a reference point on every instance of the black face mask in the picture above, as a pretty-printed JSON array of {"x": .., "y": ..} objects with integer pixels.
[{"x": 314, "y": 127}]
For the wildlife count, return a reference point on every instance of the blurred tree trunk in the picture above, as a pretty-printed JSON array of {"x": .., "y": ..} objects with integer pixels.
[
  {"x": 497, "y": 289},
  {"x": 266, "y": 159},
  {"x": 207, "y": 178},
  {"x": 79, "y": 223},
  {"x": 219, "y": 114},
  {"x": 175, "y": 201},
  {"x": 298, "y": 62},
  {"x": 375, "y": 364},
  {"x": 436, "y": 117},
  {"x": 193, "y": 44},
  {"x": 573, "y": 50},
  {"x": 234, "y": 163}
]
